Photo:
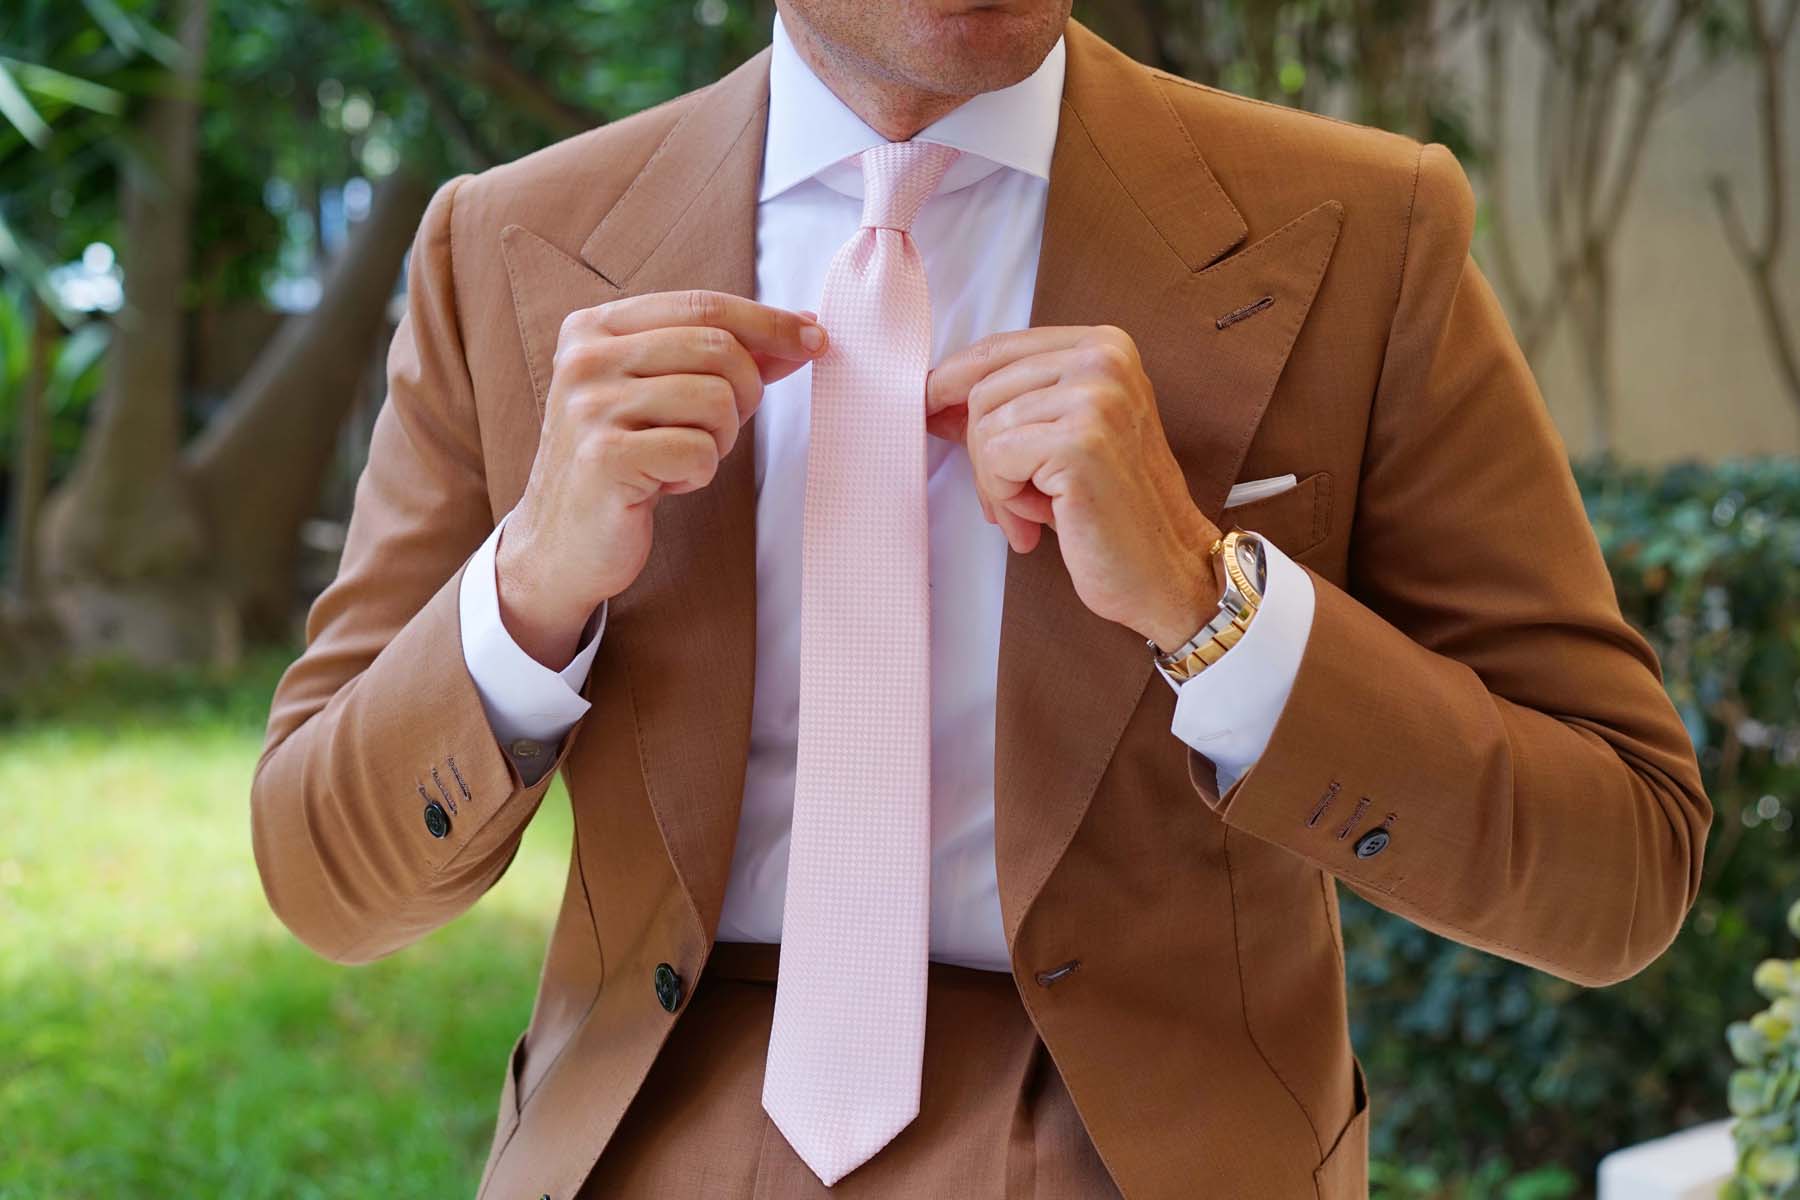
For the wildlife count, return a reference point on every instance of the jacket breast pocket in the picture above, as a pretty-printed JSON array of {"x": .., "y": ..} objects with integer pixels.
[{"x": 1296, "y": 519}]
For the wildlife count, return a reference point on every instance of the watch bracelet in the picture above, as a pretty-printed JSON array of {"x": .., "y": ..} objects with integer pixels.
[{"x": 1212, "y": 640}]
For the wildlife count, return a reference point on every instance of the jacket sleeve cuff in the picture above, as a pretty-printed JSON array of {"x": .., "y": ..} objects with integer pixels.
[
  {"x": 1228, "y": 712},
  {"x": 525, "y": 701}
]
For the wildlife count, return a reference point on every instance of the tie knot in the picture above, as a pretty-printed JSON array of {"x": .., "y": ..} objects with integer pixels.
[{"x": 898, "y": 177}]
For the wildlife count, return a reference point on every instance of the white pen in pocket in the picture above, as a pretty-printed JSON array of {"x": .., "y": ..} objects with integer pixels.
[{"x": 1258, "y": 489}]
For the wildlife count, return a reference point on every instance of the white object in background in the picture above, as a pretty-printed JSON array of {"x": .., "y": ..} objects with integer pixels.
[
  {"x": 1690, "y": 1165},
  {"x": 1259, "y": 489}
]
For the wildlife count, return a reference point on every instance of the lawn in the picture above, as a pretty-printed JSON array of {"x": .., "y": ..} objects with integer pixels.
[{"x": 161, "y": 1034}]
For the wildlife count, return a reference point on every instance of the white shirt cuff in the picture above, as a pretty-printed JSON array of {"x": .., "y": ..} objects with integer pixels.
[
  {"x": 524, "y": 699},
  {"x": 1228, "y": 711}
]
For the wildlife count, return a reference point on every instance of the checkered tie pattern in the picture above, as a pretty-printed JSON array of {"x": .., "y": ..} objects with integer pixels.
[{"x": 848, "y": 1037}]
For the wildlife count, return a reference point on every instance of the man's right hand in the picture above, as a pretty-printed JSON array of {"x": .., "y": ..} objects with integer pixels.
[{"x": 647, "y": 395}]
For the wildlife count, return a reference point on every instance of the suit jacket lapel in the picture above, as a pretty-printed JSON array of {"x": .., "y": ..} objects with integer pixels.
[
  {"x": 1136, "y": 235},
  {"x": 686, "y": 628}
]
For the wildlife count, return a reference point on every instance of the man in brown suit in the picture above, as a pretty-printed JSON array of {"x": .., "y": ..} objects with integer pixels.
[{"x": 1463, "y": 729}]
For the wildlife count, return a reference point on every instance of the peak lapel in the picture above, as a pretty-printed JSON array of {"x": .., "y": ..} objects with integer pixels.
[
  {"x": 686, "y": 628},
  {"x": 1137, "y": 233}
]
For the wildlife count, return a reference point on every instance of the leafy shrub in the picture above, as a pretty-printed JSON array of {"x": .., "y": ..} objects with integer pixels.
[
  {"x": 1765, "y": 1091},
  {"x": 1475, "y": 1061}
]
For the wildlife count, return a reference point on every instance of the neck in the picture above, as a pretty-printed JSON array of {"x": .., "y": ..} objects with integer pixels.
[{"x": 891, "y": 107}]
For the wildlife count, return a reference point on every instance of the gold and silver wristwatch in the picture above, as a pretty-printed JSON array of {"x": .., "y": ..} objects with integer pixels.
[{"x": 1246, "y": 574}]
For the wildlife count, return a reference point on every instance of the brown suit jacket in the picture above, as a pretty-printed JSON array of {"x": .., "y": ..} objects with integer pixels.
[{"x": 1469, "y": 686}]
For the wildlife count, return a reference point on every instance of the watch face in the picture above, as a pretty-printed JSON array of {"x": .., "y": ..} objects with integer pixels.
[{"x": 1250, "y": 557}]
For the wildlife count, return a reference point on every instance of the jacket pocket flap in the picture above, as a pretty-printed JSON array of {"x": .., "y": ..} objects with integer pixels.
[{"x": 1296, "y": 519}]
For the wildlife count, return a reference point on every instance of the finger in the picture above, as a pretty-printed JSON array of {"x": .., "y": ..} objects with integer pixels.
[
  {"x": 775, "y": 368},
  {"x": 764, "y": 330},
  {"x": 1026, "y": 408},
  {"x": 1026, "y": 455},
  {"x": 1021, "y": 534},
  {"x": 693, "y": 350},
  {"x": 951, "y": 423},
  {"x": 1020, "y": 530},
  {"x": 1023, "y": 501},
  {"x": 1035, "y": 373},
  {"x": 1004, "y": 468},
  {"x": 705, "y": 402},
  {"x": 1033, "y": 505},
  {"x": 987, "y": 510},
  {"x": 950, "y": 381},
  {"x": 672, "y": 459}
]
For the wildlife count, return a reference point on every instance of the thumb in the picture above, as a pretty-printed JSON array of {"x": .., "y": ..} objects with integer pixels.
[
  {"x": 772, "y": 368},
  {"x": 951, "y": 424}
]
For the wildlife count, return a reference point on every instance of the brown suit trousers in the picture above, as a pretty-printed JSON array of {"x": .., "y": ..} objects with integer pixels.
[{"x": 995, "y": 1121}]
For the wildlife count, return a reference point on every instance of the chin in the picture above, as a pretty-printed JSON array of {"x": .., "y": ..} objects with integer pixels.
[{"x": 978, "y": 48}]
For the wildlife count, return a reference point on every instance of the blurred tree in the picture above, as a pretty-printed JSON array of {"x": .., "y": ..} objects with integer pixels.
[
  {"x": 63, "y": 85},
  {"x": 1768, "y": 33},
  {"x": 165, "y": 546},
  {"x": 1609, "y": 71},
  {"x": 122, "y": 538},
  {"x": 1379, "y": 62}
]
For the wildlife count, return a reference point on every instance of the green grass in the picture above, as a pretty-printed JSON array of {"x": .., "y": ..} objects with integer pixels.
[{"x": 161, "y": 1034}]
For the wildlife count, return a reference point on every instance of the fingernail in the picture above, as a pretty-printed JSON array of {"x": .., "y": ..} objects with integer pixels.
[{"x": 812, "y": 337}]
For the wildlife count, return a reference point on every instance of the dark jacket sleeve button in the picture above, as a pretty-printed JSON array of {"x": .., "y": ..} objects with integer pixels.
[
  {"x": 437, "y": 821},
  {"x": 668, "y": 987},
  {"x": 1371, "y": 843}
]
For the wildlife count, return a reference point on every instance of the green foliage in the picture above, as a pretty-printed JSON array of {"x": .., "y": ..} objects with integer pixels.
[
  {"x": 69, "y": 388},
  {"x": 1764, "y": 1092},
  {"x": 76, "y": 69},
  {"x": 71, "y": 377},
  {"x": 1494, "y": 1179},
  {"x": 1475, "y": 1060},
  {"x": 299, "y": 97}
]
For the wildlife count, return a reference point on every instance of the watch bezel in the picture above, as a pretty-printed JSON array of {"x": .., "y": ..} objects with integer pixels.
[{"x": 1237, "y": 604}]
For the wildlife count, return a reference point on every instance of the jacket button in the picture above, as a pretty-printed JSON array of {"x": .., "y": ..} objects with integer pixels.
[
  {"x": 1371, "y": 843},
  {"x": 437, "y": 821},
  {"x": 668, "y": 987}
]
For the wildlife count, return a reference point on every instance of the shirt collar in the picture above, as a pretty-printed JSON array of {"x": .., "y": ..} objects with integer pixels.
[{"x": 811, "y": 132}]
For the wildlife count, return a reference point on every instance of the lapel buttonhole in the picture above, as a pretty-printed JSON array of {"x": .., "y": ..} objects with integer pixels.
[{"x": 1245, "y": 313}]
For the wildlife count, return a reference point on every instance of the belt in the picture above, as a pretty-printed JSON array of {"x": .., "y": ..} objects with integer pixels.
[
  {"x": 754, "y": 961},
  {"x": 759, "y": 962}
]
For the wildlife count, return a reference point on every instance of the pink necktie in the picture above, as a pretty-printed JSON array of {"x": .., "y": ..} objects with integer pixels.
[{"x": 849, "y": 1027}]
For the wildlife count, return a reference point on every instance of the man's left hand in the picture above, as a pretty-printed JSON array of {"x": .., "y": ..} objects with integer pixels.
[{"x": 1061, "y": 426}]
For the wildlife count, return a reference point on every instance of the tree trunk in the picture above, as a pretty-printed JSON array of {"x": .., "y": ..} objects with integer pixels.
[
  {"x": 257, "y": 469},
  {"x": 31, "y": 470},
  {"x": 123, "y": 545},
  {"x": 1593, "y": 324},
  {"x": 29, "y": 638}
]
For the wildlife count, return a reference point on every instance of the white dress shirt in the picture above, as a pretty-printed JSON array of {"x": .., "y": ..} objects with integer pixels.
[{"x": 978, "y": 236}]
